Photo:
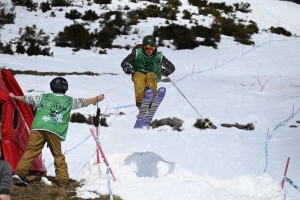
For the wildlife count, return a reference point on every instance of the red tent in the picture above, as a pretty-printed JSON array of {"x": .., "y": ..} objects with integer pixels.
[{"x": 16, "y": 124}]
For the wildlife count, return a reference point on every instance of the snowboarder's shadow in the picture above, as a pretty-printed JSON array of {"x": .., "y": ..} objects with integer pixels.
[{"x": 149, "y": 164}]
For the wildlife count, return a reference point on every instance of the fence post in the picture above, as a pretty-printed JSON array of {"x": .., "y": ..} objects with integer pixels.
[{"x": 286, "y": 168}]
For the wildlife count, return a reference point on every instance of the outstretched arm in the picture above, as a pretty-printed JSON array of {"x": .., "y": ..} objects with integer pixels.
[
  {"x": 81, "y": 102},
  {"x": 28, "y": 99},
  {"x": 100, "y": 97},
  {"x": 78, "y": 102},
  {"x": 12, "y": 95}
]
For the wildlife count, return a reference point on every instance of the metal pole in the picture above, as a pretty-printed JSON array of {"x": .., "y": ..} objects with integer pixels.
[{"x": 206, "y": 123}]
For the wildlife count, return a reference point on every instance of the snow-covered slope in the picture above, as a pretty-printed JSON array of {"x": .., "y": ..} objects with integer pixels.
[{"x": 232, "y": 84}]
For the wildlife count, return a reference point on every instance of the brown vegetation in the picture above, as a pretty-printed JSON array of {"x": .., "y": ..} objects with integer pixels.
[{"x": 36, "y": 190}]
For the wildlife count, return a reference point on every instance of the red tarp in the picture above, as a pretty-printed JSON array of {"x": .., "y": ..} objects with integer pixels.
[{"x": 16, "y": 124}]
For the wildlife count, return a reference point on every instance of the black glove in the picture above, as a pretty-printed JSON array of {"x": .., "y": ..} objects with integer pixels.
[
  {"x": 127, "y": 68},
  {"x": 165, "y": 72}
]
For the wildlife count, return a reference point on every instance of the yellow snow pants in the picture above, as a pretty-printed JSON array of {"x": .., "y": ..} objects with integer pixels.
[
  {"x": 141, "y": 81},
  {"x": 36, "y": 142}
]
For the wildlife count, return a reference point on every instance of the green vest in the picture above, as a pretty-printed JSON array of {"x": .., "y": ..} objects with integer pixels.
[
  {"x": 146, "y": 64},
  {"x": 54, "y": 114}
]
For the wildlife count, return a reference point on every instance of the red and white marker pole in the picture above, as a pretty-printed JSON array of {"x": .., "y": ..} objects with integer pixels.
[{"x": 285, "y": 171}]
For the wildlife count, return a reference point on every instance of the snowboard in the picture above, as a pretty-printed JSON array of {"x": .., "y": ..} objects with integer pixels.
[{"x": 148, "y": 109}]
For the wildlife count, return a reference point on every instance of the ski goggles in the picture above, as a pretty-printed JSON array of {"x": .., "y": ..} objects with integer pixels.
[{"x": 149, "y": 48}]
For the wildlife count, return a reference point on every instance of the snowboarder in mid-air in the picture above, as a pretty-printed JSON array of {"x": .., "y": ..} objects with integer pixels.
[{"x": 146, "y": 65}]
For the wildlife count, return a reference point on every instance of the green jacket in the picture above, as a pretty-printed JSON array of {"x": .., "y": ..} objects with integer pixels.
[
  {"x": 54, "y": 114},
  {"x": 146, "y": 64}
]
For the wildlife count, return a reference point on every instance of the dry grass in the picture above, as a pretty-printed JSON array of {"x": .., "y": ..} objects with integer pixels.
[
  {"x": 36, "y": 73},
  {"x": 39, "y": 191}
]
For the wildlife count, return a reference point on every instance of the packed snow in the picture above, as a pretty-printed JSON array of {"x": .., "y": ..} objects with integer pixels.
[{"x": 235, "y": 83}]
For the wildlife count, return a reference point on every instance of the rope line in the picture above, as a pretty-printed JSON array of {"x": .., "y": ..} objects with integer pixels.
[
  {"x": 270, "y": 136},
  {"x": 233, "y": 59},
  {"x": 125, "y": 106},
  {"x": 111, "y": 197},
  {"x": 67, "y": 151},
  {"x": 86, "y": 164},
  {"x": 292, "y": 184}
]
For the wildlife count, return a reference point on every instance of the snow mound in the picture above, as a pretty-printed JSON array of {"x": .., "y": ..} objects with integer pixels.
[
  {"x": 135, "y": 165},
  {"x": 151, "y": 169}
]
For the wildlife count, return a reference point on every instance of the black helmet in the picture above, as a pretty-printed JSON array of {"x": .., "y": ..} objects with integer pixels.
[
  {"x": 59, "y": 85},
  {"x": 149, "y": 40}
]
